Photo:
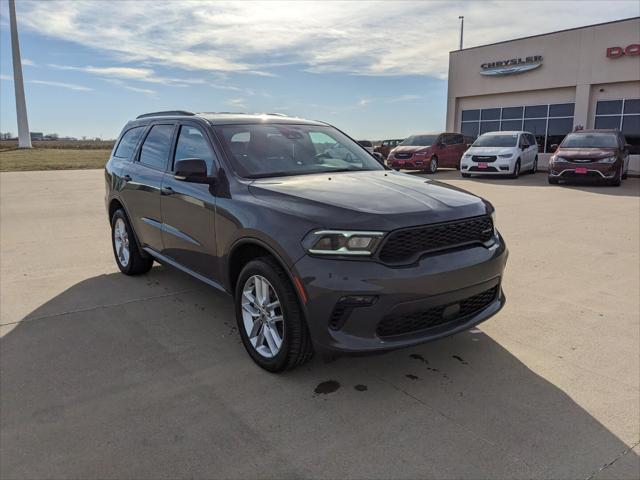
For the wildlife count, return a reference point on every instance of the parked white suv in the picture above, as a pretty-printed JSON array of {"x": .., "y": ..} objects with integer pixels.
[{"x": 501, "y": 153}]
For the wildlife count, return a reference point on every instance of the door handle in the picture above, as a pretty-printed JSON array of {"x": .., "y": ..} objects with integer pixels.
[
  {"x": 127, "y": 178},
  {"x": 167, "y": 191}
]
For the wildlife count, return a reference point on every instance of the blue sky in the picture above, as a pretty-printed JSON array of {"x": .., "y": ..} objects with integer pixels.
[{"x": 374, "y": 69}]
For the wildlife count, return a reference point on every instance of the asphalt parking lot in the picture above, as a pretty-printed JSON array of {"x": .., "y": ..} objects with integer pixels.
[{"x": 107, "y": 376}]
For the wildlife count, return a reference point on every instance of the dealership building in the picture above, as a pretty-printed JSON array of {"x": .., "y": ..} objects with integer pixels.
[{"x": 550, "y": 85}]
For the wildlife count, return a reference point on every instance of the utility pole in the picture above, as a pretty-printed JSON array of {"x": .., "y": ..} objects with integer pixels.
[
  {"x": 461, "y": 17},
  {"x": 24, "y": 137}
]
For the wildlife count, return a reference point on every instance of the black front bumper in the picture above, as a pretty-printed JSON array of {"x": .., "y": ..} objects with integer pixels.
[{"x": 441, "y": 295}]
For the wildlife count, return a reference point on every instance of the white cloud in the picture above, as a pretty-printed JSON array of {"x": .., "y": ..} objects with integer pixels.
[
  {"x": 5, "y": 77},
  {"x": 363, "y": 38},
  {"x": 70, "y": 86},
  {"x": 132, "y": 73},
  {"x": 126, "y": 86},
  {"x": 28, "y": 63},
  {"x": 236, "y": 103}
]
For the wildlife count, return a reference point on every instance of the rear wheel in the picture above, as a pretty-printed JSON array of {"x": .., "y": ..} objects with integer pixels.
[
  {"x": 534, "y": 169},
  {"x": 433, "y": 165},
  {"x": 270, "y": 321},
  {"x": 129, "y": 258}
]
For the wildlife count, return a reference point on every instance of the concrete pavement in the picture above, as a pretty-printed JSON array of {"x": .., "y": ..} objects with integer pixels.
[{"x": 106, "y": 376}]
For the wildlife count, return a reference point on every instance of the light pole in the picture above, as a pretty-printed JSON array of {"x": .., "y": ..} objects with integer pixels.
[
  {"x": 461, "y": 17},
  {"x": 24, "y": 137}
]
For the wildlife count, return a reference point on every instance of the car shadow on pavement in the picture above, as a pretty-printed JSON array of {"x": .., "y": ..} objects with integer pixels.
[
  {"x": 629, "y": 188},
  {"x": 145, "y": 377}
]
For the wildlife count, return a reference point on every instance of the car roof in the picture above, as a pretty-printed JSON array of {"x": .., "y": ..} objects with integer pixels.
[
  {"x": 505, "y": 132},
  {"x": 598, "y": 130},
  {"x": 229, "y": 118}
]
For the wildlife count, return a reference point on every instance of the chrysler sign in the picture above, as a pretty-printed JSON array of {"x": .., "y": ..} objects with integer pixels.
[{"x": 511, "y": 66}]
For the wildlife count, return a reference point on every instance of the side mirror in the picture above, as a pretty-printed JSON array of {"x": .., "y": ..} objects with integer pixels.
[
  {"x": 378, "y": 156},
  {"x": 554, "y": 147},
  {"x": 193, "y": 170}
]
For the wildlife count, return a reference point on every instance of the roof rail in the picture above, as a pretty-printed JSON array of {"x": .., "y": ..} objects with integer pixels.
[{"x": 166, "y": 114}]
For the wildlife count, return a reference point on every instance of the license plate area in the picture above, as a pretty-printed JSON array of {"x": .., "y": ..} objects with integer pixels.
[
  {"x": 483, "y": 165},
  {"x": 581, "y": 170}
]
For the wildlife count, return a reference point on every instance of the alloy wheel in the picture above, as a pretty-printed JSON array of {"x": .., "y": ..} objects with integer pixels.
[
  {"x": 433, "y": 165},
  {"x": 262, "y": 316},
  {"x": 121, "y": 242}
]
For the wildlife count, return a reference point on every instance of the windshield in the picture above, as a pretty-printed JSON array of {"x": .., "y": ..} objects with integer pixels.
[
  {"x": 420, "y": 140},
  {"x": 590, "y": 140},
  {"x": 274, "y": 150},
  {"x": 496, "y": 141}
]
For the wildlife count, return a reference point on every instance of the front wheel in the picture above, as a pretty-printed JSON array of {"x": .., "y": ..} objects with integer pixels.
[
  {"x": 534, "y": 169},
  {"x": 516, "y": 170},
  {"x": 616, "y": 182},
  {"x": 270, "y": 320},
  {"x": 552, "y": 181},
  {"x": 466, "y": 175},
  {"x": 129, "y": 258},
  {"x": 433, "y": 165}
]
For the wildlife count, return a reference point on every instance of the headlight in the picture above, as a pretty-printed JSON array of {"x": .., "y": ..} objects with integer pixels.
[
  {"x": 493, "y": 219},
  {"x": 608, "y": 160},
  {"x": 466, "y": 155},
  {"x": 506, "y": 155},
  {"x": 338, "y": 242}
]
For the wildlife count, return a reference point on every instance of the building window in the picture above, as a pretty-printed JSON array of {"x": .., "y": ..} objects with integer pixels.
[
  {"x": 548, "y": 123},
  {"x": 623, "y": 115}
]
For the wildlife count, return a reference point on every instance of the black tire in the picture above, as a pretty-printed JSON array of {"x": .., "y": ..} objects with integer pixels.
[
  {"x": 534, "y": 169},
  {"x": 552, "y": 181},
  {"x": 138, "y": 262},
  {"x": 432, "y": 167},
  {"x": 465, "y": 175},
  {"x": 616, "y": 182},
  {"x": 625, "y": 175},
  {"x": 296, "y": 346},
  {"x": 516, "y": 170}
]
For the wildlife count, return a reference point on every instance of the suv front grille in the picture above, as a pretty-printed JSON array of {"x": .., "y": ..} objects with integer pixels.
[
  {"x": 484, "y": 158},
  {"x": 403, "y": 156},
  {"x": 407, "y": 244},
  {"x": 423, "y": 319}
]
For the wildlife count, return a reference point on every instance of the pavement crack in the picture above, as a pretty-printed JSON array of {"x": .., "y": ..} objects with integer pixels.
[
  {"x": 607, "y": 465},
  {"x": 96, "y": 307}
]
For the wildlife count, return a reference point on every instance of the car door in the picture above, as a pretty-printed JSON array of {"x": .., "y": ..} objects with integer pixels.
[
  {"x": 447, "y": 155},
  {"x": 141, "y": 194},
  {"x": 188, "y": 209},
  {"x": 459, "y": 148},
  {"x": 525, "y": 149}
]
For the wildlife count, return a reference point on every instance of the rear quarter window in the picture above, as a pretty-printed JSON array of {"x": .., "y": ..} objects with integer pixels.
[{"x": 128, "y": 143}]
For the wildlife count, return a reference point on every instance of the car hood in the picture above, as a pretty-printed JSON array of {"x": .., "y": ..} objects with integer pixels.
[
  {"x": 377, "y": 199},
  {"x": 410, "y": 148},
  {"x": 490, "y": 150},
  {"x": 591, "y": 153}
]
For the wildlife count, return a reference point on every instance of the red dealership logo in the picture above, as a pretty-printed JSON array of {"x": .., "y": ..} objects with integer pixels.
[{"x": 628, "y": 51}]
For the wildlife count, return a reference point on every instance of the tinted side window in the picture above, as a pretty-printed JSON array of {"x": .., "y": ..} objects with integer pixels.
[
  {"x": 128, "y": 142},
  {"x": 193, "y": 144},
  {"x": 458, "y": 139},
  {"x": 155, "y": 149}
]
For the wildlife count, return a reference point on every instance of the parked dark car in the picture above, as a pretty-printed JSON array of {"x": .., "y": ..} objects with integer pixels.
[
  {"x": 319, "y": 253},
  {"x": 598, "y": 155},
  {"x": 386, "y": 146},
  {"x": 367, "y": 145},
  {"x": 428, "y": 151}
]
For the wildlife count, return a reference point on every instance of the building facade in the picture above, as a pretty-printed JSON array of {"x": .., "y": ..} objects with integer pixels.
[{"x": 550, "y": 85}]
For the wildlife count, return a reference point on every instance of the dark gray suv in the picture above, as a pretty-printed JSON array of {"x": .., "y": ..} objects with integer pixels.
[{"x": 322, "y": 248}]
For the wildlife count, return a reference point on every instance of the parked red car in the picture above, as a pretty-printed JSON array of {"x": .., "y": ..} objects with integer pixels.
[
  {"x": 387, "y": 145},
  {"x": 428, "y": 151}
]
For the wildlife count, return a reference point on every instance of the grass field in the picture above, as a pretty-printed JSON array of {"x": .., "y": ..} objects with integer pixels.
[
  {"x": 52, "y": 159},
  {"x": 62, "y": 144}
]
